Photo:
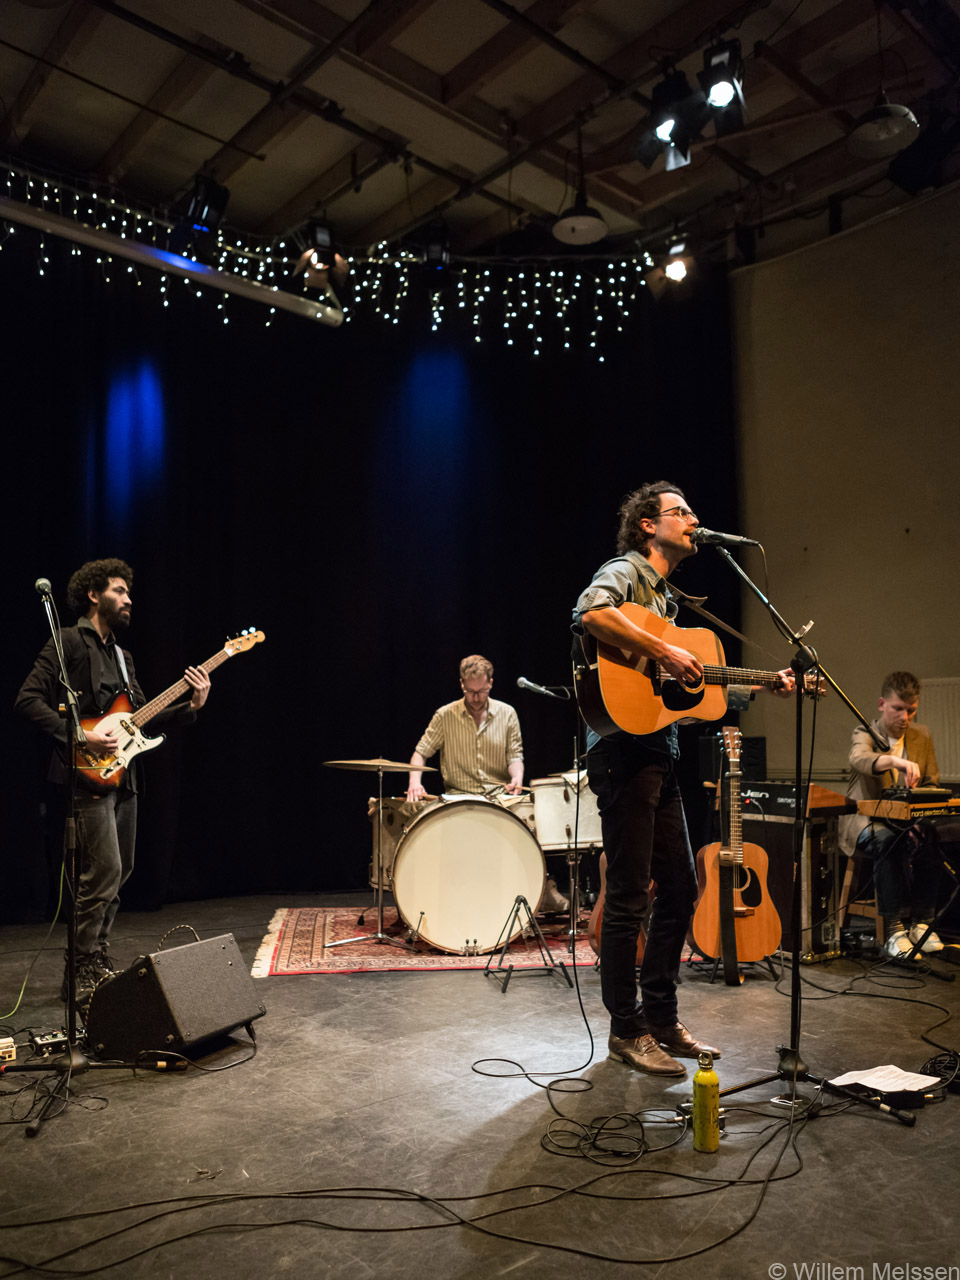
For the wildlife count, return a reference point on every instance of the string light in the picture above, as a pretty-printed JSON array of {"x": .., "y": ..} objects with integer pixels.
[{"x": 533, "y": 305}]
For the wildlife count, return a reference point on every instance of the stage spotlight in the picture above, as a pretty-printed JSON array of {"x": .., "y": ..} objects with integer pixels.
[
  {"x": 437, "y": 249},
  {"x": 675, "y": 269},
  {"x": 207, "y": 205},
  {"x": 321, "y": 250},
  {"x": 722, "y": 79},
  {"x": 196, "y": 220}
]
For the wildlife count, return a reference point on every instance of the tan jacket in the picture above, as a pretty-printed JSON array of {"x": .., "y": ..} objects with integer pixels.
[{"x": 865, "y": 784}]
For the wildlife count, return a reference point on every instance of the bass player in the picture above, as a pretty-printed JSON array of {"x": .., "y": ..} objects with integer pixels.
[{"x": 98, "y": 670}]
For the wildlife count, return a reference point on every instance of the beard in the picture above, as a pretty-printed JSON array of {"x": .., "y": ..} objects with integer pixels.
[{"x": 113, "y": 617}]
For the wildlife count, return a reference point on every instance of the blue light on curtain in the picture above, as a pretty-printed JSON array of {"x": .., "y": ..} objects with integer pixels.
[{"x": 133, "y": 441}]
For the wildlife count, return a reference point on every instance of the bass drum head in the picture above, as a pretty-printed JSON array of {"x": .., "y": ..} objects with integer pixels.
[{"x": 458, "y": 871}]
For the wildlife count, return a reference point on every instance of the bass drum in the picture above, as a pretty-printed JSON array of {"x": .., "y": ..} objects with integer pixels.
[{"x": 458, "y": 871}]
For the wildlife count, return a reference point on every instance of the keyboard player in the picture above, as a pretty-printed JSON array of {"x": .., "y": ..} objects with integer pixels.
[{"x": 906, "y": 867}]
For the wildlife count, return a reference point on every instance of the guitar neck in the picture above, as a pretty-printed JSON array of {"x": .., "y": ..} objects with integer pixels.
[
  {"x": 740, "y": 675},
  {"x": 163, "y": 700},
  {"x": 734, "y": 851}
]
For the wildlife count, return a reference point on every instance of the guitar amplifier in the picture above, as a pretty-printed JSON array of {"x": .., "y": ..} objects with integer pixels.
[
  {"x": 820, "y": 884},
  {"x": 172, "y": 999}
]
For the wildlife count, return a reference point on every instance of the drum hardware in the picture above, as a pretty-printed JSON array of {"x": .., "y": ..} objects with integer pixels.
[
  {"x": 503, "y": 973},
  {"x": 379, "y": 766}
]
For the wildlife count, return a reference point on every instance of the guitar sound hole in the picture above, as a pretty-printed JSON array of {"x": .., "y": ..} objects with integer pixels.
[
  {"x": 748, "y": 887},
  {"x": 677, "y": 697}
]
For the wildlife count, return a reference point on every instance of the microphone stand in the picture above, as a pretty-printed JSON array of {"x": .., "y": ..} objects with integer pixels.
[
  {"x": 564, "y": 693},
  {"x": 791, "y": 1066},
  {"x": 72, "y": 1062}
]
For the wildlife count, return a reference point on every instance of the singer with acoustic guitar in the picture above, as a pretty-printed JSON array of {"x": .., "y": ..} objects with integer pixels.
[
  {"x": 99, "y": 671},
  {"x": 634, "y": 777}
]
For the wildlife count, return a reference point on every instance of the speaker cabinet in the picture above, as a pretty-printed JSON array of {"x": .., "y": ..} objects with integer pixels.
[
  {"x": 820, "y": 883},
  {"x": 172, "y": 999}
]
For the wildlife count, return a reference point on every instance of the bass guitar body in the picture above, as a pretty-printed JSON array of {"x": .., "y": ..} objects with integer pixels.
[
  {"x": 105, "y": 772},
  {"x": 756, "y": 924}
]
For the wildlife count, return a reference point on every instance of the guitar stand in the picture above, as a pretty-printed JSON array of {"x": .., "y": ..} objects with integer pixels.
[
  {"x": 719, "y": 960},
  {"x": 503, "y": 973}
]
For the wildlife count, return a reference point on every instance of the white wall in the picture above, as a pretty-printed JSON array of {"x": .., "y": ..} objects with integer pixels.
[{"x": 848, "y": 382}]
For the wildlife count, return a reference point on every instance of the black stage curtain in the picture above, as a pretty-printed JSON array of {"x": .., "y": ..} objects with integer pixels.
[{"x": 379, "y": 500}]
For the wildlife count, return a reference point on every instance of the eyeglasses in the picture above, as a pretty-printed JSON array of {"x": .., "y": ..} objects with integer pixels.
[{"x": 684, "y": 513}]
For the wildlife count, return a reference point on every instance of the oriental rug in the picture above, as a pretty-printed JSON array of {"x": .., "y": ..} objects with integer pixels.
[{"x": 298, "y": 941}]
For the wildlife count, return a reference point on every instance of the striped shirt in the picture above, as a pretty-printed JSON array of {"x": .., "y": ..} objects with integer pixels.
[{"x": 473, "y": 759}]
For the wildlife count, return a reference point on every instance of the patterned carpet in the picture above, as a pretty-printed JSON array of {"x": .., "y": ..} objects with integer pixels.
[{"x": 299, "y": 938}]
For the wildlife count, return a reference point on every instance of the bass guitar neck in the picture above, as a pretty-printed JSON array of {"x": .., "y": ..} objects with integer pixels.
[{"x": 105, "y": 771}]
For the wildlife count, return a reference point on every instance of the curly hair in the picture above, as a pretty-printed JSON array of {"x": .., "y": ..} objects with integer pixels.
[
  {"x": 476, "y": 665},
  {"x": 95, "y": 575},
  {"x": 642, "y": 504},
  {"x": 902, "y": 684}
]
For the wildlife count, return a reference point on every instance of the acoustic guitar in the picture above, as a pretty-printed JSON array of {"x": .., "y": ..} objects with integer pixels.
[
  {"x": 622, "y": 690},
  {"x": 105, "y": 772},
  {"x": 734, "y": 919}
]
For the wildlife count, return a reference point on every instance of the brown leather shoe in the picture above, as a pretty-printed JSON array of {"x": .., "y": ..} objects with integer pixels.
[
  {"x": 643, "y": 1053},
  {"x": 679, "y": 1041}
]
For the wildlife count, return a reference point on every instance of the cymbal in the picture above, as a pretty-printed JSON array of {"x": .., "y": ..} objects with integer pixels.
[{"x": 377, "y": 766}]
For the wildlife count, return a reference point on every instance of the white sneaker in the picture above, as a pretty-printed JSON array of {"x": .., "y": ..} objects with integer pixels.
[
  {"x": 897, "y": 945},
  {"x": 932, "y": 943}
]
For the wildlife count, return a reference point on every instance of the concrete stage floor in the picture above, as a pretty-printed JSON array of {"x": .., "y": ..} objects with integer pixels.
[{"x": 365, "y": 1081}]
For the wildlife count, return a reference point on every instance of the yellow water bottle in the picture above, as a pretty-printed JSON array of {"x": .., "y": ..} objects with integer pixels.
[{"x": 706, "y": 1105}]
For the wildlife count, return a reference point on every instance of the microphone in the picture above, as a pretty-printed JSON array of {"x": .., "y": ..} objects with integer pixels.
[
  {"x": 524, "y": 683},
  {"x": 43, "y": 586},
  {"x": 710, "y": 536}
]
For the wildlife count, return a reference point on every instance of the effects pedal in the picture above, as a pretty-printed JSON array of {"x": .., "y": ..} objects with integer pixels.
[
  {"x": 8, "y": 1050},
  {"x": 50, "y": 1043}
]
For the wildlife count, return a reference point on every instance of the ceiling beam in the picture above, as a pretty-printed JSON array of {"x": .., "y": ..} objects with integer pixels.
[
  {"x": 420, "y": 205},
  {"x": 342, "y": 177},
  {"x": 508, "y": 46},
  {"x": 271, "y": 124},
  {"x": 388, "y": 24},
  {"x": 182, "y": 84},
  {"x": 76, "y": 28},
  {"x": 787, "y": 70}
]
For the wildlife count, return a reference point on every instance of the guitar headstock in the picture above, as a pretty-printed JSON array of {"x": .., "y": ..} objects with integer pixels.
[
  {"x": 814, "y": 685},
  {"x": 244, "y": 641},
  {"x": 731, "y": 743}
]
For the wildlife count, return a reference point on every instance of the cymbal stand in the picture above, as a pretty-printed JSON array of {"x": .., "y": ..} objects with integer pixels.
[{"x": 379, "y": 936}]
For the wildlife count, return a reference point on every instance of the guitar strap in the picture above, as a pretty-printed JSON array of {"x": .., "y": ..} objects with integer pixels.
[
  {"x": 124, "y": 675},
  {"x": 696, "y": 603}
]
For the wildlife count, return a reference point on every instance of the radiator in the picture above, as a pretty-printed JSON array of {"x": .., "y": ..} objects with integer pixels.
[{"x": 940, "y": 712}]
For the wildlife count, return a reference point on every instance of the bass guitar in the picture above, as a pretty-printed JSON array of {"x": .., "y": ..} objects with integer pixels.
[
  {"x": 735, "y": 919},
  {"x": 105, "y": 772},
  {"x": 622, "y": 690}
]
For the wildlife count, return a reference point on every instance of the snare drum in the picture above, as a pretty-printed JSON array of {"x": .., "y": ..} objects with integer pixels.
[
  {"x": 458, "y": 871},
  {"x": 555, "y": 811}
]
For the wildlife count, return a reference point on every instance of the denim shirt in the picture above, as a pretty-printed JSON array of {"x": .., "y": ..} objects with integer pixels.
[{"x": 628, "y": 578}]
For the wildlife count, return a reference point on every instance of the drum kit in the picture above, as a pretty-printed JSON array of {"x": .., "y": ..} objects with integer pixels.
[{"x": 457, "y": 864}]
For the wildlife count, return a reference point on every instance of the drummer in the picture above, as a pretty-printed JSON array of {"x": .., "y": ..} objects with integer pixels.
[
  {"x": 478, "y": 757},
  {"x": 475, "y": 757}
]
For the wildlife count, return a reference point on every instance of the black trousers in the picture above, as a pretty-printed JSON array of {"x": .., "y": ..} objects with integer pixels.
[{"x": 644, "y": 837}]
